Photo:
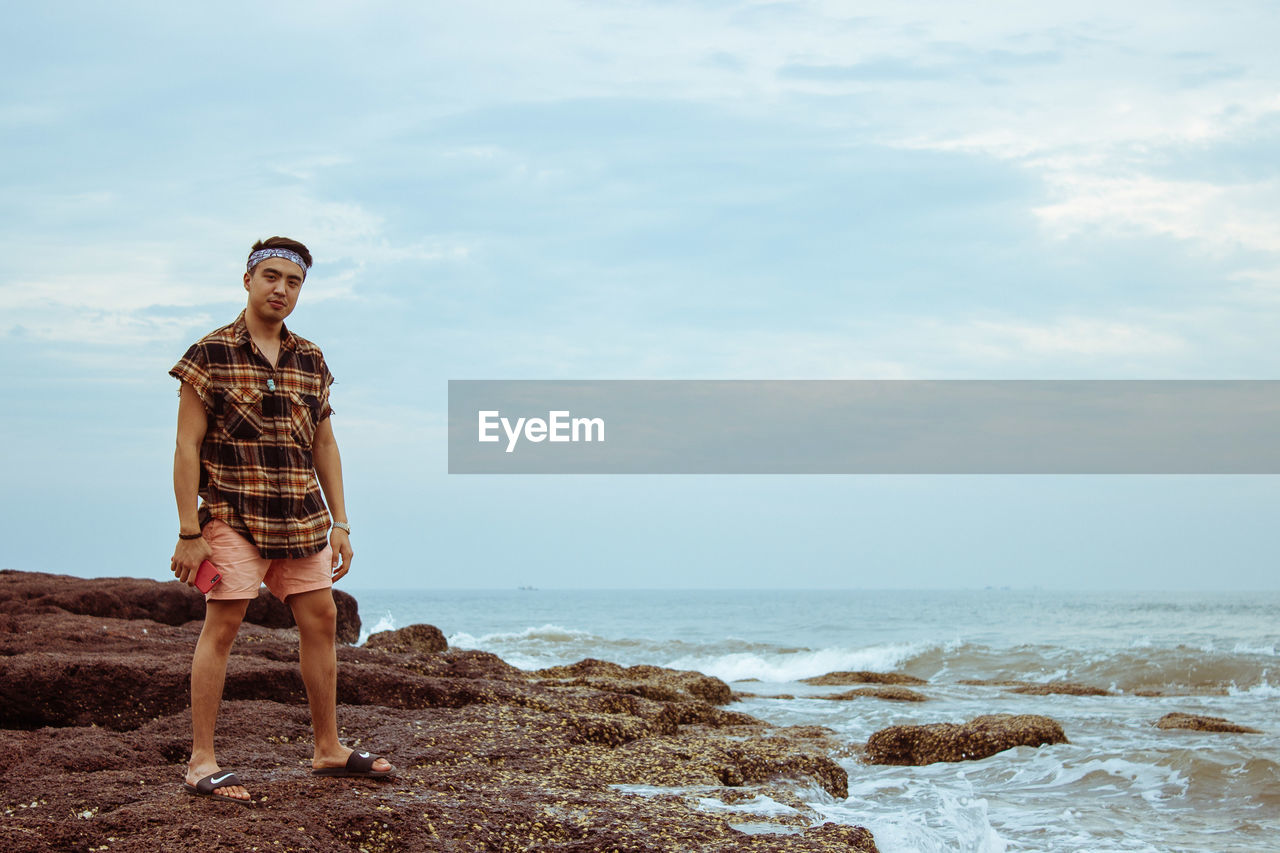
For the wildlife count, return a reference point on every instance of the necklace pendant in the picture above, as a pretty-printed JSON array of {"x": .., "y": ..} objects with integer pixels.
[{"x": 271, "y": 385}]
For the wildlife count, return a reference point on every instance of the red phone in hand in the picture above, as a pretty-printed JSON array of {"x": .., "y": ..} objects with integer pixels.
[{"x": 206, "y": 576}]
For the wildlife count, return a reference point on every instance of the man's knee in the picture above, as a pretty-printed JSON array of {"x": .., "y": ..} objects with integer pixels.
[
  {"x": 314, "y": 610},
  {"x": 222, "y": 620}
]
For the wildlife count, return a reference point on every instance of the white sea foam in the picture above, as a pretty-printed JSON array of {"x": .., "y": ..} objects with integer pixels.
[
  {"x": 546, "y": 634},
  {"x": 525, "y": 662},
  {"x": 934, "y": 820},
  {"x": 1150, "y": 781},
  {"x": 793, "y": 666},
  {"x": 387, "y": 622},
  {"x": 760, "y": 804},
  {"x": 1246, "y": 649},
  {"x": 1262, "y": 690}
]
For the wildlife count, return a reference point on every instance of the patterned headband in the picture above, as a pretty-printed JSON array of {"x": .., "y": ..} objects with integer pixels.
[{"x": 288, "y": 254}]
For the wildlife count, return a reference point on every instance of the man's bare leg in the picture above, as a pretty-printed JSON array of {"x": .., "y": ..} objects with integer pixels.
[
  {"x": 317, "y": 619},
  {"x": 208, "y": 674}
]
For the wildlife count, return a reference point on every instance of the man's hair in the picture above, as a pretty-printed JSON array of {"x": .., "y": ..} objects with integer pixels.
[{"x": 283, "y": 243}]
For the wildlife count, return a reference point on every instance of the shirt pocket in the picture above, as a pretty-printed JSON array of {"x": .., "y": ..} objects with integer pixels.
[
  {"x": 304, "y": 412},
  {"x": 242, "y": 413}
]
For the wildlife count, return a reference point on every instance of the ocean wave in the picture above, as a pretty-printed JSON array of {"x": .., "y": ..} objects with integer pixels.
[
  {"x": 546, "y": 634},
  {"x": 553, "y": 645},
  {"x": 1150, "y": 780},
  {"x": 797, "y": 664},
  {"x": 1246, "y": 649},
  {"x": 921, "y": 817},
  {"x": 1133, "y": 667},
  {"x": 1264, "y": 690},
  {"x": 386, "y": 622}
]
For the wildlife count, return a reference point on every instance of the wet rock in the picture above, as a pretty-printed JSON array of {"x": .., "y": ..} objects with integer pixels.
[
  {"x": 1036, "y": 688},
  {"x": 420, "y": 639},
  {"x": 489, "y": 757},
  {"x": 978, "y": 738},
  {"x": 1067, "y": 688},
  {"x": 893, "y": 694},
  {"x": 822, "y": 733},
  {"x": 650, "y": 681},
  {"x": 171, "y": 603},
  {"x": 836, "y": 679},
  {"x": 1199, "y": 723},
  {"x": 844, "y": 837},
  {"x": 991, "y": 682}
]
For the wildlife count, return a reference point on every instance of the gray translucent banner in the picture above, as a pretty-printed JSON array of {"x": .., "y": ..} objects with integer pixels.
[{"x": 864, "y": 427}]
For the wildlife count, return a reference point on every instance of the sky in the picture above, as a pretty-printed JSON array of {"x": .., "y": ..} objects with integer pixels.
[{"x": 642, "y": 190}]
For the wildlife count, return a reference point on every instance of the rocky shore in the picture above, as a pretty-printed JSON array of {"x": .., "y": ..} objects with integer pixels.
[{"x": 590, "y": 757}]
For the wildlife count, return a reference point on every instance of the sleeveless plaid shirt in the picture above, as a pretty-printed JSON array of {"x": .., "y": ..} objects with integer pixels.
[{"x": 257, "y": 473}]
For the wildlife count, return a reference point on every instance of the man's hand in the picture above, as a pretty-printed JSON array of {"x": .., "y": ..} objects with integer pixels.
[
  {"x": 187, "y": 557},
  {"x": 340, "y": 542}
]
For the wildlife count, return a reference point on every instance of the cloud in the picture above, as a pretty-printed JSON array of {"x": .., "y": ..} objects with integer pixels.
[
  {"x": 1218, "y": 217},
  {"x": 98, "y": 329},
  {"x": 899, "y": 346},
  {"x": 137, "y": 290}
]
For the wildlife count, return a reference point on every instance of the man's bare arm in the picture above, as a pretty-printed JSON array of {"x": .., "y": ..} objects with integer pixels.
[
  {"x": 328, "y": 462},
  {"x": 189, "y": 553}
]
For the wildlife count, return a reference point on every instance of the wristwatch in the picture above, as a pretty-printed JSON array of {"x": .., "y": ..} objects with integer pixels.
[{"x": 342, "y": 525}]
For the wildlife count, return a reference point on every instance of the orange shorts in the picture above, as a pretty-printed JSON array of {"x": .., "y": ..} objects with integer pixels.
[{"x": 244, "y": 569}]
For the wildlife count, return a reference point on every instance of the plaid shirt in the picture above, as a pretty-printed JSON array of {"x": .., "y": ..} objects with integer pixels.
[{"x": 256, "y": 470}]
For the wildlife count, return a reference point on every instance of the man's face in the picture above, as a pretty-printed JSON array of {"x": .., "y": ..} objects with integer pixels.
[{"x": 273, "y": 288}]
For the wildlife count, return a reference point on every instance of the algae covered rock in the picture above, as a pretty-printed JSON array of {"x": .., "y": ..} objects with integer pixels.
[
  {"x": 836, "y": 679},
  {"x": 422, "y": 639},
  {"x": 893, "y": 694},
  {"x": 652, "y": 682},
  {"x": 980, "y": 737},
  {"x": 1199, "y": 723}
]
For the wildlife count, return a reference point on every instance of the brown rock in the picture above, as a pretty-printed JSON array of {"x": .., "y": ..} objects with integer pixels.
[
  {"x": 837, "y": 679},
  {"x": 171, "y": 603},
  {"x": 1068, "y": 688},
  {"x": 894, "y": 694},
  {"x": 978, "y": 738},
  {"x": 991, "y": 682},
  {"x": 420, "y": 639},
  {"x": 60, "y": 669},
  {"x": 1035, "y": 688},
  {"x": 650, "y": 681},
  {"x": 1202, "y": 724}
]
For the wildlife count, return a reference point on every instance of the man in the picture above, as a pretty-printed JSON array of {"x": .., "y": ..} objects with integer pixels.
[{"x": 256, "y": 445}]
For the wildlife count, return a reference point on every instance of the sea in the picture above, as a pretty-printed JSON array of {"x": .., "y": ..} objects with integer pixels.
[{"x": 1121, "y": 784}]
